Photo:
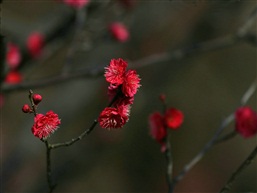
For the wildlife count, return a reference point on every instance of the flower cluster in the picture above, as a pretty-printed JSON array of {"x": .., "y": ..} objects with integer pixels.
[
  {"x": 246, "y": 122},
  {"x": 123, "y": 86},
  {"x": 44, "y": 125},
  {"x": 159, "y": 124}
]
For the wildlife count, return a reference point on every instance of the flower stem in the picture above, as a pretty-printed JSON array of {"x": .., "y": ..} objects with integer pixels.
[
  {"x": 34, "y": 107},
  {"x": 168, "y": 157}
]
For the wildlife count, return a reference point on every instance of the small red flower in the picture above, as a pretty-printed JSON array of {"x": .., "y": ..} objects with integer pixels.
[
  {"x": 162, "y": 97},
  {"x": 112, "y": 117},
  {"x": 13, "y": 56},
  {"x": 246, "y": 121},
  {"x": 13, "y": 77},
  {"x": 37, "y": 98},
  {"x": 44, "y": 125},
  {"x": 173, "y": 118},
  {"x": 114, "y": 73},
  {"x": 76, "y": 3},
  {"x": 26, "y": 108},
  {"x": 157, "y": 127},
  {"x": 35, "y": 43},
  {"x": 119, "y": 31},
  {"x": 131, "y": 83}
]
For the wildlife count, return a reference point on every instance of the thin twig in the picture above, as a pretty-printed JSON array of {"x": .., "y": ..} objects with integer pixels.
[
  {"x": 72, "y": 141},
  {"x": 241, "y": 168},
  {"x": 250, "y": 21},
  {"x": 226, "y": 137},
  {"x": 79, "y": 23},
  {"x": 207, "y": 147},
  {"x": 215, "y": 140},
  {"x": 34, "y": 107},
  {"x": 168, "y": 156},
  {"x": 150, "y": 60},
  {"x": 249, "y": 92},
  {"x": 86, "y": 132}
]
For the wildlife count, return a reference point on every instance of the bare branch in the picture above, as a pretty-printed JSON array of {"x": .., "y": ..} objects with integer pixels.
[{"x": 241, "y": 168}]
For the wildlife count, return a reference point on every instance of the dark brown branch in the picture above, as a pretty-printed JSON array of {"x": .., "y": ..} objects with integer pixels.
[
  {"x": 34, "y": 107},
  {"x": 84, "y": 133},
  {"x": 72, "y": 141},
  {"x": 241, "y": 168},
  {"x": 51, "y": 186}
]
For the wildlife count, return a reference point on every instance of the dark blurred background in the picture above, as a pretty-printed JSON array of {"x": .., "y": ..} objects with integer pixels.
[{"x": 206, "y": 87}]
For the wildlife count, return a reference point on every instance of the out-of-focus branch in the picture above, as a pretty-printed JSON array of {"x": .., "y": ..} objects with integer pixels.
[
  {"x": 241, "y": 35},
  {"x": 79, "y": 23},
  {"x": 241, "y": 168},
  {"x": 205, "y": 149},
  {"x": 215, "y": 139},
  {"x": 153, "y": 59}
]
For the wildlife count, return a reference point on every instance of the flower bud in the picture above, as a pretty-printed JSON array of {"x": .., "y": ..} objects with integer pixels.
[
  {"x": 35, "y": 43},
  {"x": 246, "y": 122},
  {"x": 13, "y": 56},
  {"x": 37, "y": 98},
  {"x": 119, "y": 31},
  {"x": 162, "y": 97},
  {"x": 26, "y": 108}
]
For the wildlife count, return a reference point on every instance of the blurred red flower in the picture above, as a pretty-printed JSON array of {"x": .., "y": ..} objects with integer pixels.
[
  {"x": 157, "y": 127},
  {"x": 13, "y": 77},
  {"x": 13, "y": 56},
  {"x": 246, "y": 121},
  {"x": 76, "y": 3},
  {"x": 119, "y": 31},
  {"x": 35, "y": 43},
  {"x": 173, "y": 118}
]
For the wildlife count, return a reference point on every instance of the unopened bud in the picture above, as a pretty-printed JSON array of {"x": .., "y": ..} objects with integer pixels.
[
  {"x": 162, "y": 97},
  {"x": 37, "y": 98},
  {"x": 119, "y": 31},
  {"x": 26, "y": 108}
]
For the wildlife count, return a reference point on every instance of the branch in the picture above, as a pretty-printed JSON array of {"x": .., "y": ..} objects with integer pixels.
[
  {"x": 86, "y": 132},
  {"x": 215, "y": 139},
  {"x": 176, "y": 55},
  {"x": 205, "y": 149},
  {"x": 51, "y": 186},
  {"x": 150, "y": 60},
  {"x": 68, "y": 143},
  {"x": 241, "y": 168}
]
